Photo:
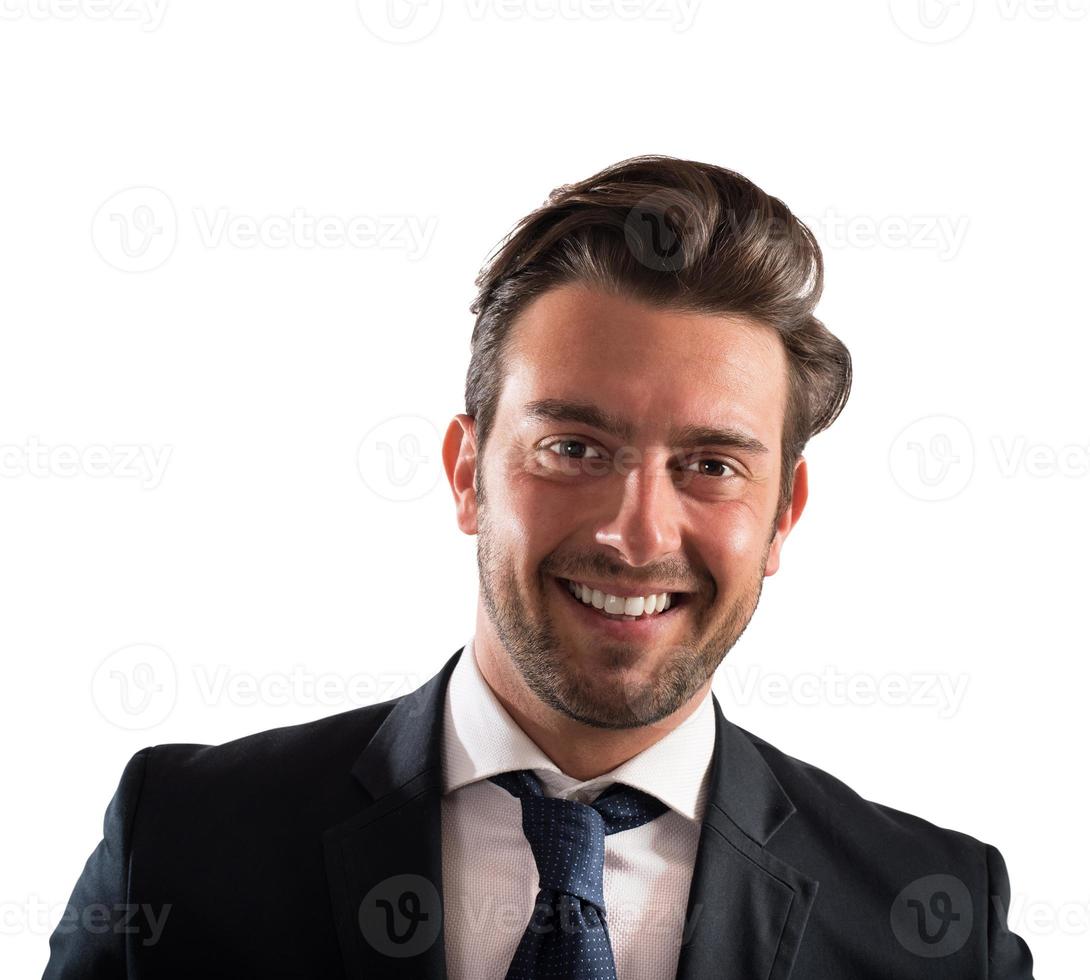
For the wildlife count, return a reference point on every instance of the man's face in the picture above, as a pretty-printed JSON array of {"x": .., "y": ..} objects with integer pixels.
[{"x": 634, "y": 451}]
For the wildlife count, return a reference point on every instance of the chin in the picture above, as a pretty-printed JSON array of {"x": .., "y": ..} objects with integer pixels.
[{"x": 600, "y": 692}]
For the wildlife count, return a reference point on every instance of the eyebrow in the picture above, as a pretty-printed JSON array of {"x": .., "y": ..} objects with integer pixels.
[{"x": 687, "y": 437}]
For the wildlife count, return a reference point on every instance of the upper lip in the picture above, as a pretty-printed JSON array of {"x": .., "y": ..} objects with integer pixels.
[{"x": 619, "y": 589}]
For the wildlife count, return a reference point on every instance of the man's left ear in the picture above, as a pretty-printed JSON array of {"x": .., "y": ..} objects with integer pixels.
[{"x": 789, "y": 517}]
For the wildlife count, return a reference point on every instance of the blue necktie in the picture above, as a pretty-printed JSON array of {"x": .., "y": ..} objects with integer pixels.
[{"x": 567, "y": 935}]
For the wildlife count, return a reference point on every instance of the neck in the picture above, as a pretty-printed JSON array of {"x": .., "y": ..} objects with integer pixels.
[{"x": 581, "y": 751}]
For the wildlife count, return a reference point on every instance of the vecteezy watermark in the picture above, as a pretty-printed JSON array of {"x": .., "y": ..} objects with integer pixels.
[
  {"x": 124, "y": 462},
  {"x": 939, "y": 692},
  {"x": 938, "y": 21},
  {"x": 1034, "y": 917},
  {"x": 407, "y": 21},
  {"x": 658, "y": 228},
  {"x": 148, "y": 14},
  {"x": 137, "y": 229},
  {"x": 679, "y": 14},
  {"x": 483, "y": 915},
  {"x": 36, "y": 917},
  {"x": 143, "y": 921},
  {"x": 940, "y": 233},
  {"x": 934, "y": 458},
  {"x": 400, "y": 458},
  {"x": 139, "y": 686},
  {"x": 1018, "y": 455},
  {"x": 136, "y": 687},
  {"x": 299, "y": 687},
  {"x": 401, "y": 232}
]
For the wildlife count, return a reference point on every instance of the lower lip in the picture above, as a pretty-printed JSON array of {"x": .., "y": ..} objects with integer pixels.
[{"x": 644, "y": 626}]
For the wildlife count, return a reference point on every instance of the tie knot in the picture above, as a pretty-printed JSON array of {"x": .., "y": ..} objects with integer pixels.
[
  {"x": 625, "y": 807},
  {"x": 568, "y": 838},
  {"x": 621, "y": 807}
]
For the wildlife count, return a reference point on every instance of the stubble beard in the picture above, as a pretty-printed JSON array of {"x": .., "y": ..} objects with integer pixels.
[{"x": 537, "y": 653}]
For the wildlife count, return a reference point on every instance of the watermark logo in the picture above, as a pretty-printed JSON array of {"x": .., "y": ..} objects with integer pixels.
[
  {"x": 655, "y": 229},
  {"x": 933, "y": 458},
  {"x": 136, "y": 687},
  {"x": 932, "y": 21},
  {"x": 933, "y": 916},
  {"x": 400, "y": 458},
  {"x": 136, "y": 229},
  {"x": 401, "y": 916},
  {"x": 938, "y": 21},
  {"x": 400, "y": 21}
]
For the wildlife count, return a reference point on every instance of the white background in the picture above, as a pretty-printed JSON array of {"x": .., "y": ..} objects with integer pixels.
[{"x": 937, "y": 152}]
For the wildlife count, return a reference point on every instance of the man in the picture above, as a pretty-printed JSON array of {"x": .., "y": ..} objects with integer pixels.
[{"x": 565, "y": 798}]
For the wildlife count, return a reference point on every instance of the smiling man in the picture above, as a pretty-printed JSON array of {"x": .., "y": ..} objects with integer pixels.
[
  {"x": 566, "y": 797},
  {"x": 625, "y": 539}
]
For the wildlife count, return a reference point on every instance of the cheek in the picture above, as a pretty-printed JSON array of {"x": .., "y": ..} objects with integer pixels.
[
  {"x": 738, "y": 543},
  {"x": 536, "y": 520}
]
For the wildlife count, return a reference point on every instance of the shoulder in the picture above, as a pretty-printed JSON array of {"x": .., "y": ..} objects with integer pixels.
[
  {"x": 860, "y": 850},
  {"x": 827, "y": 807},
  {"x": 310, "y": 760},
  {"x": 344, "y": 734}
]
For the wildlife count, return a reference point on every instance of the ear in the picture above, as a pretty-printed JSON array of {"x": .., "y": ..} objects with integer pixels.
[
  {"x": 460, "y": 462},
  {"x": 789, "y": 517}
]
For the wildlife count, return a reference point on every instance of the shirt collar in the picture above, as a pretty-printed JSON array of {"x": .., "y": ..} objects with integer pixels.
[{"x": 480, "y": 739}]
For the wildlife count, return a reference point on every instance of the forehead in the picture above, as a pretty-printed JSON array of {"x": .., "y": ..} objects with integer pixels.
[{"x": 657, "y": 368}]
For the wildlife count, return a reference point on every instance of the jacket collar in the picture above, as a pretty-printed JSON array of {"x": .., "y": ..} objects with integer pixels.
[
  {"x": 746, "y": 910},
  {"x": 742, "y": 786}
]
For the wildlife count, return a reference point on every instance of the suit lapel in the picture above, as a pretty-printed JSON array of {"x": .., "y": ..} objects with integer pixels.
[
  {"x": 746, "y": 913},
  {"x": 385, "y": 864},
  {"x": 747, "y": 909}
]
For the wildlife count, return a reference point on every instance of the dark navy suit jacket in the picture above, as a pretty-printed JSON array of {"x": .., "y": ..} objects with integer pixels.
[{"x": 314, "y": 851}]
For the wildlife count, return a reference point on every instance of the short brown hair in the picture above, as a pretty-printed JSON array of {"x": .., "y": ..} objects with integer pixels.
[{"x": 679, "y": 235}]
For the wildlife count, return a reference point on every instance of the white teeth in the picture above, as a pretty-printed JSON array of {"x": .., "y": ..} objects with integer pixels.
[{"x": 621, "y": 605}]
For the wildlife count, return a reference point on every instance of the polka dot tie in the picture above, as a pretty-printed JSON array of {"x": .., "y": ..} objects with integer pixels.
[{"x": 567, "y": 935}]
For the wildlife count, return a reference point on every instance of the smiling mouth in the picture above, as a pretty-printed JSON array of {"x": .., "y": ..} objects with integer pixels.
[{"x": 623, "y": 609}]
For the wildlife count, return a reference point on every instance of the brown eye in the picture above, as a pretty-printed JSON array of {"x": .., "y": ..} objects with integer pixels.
[
  {"x": 573, "y": 449},
  {"x": 718, "y": 468}
]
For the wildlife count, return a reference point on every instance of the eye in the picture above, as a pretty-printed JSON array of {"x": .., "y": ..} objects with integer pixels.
[
  {"x": 573, "y": 449},
  {"x": 710, "y": 461}
]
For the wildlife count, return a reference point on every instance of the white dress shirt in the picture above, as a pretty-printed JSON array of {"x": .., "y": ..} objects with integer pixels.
[{"x": 489, "y": 874}]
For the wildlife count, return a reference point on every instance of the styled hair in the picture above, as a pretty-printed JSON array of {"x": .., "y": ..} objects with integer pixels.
[{"x": 678, "y": 235}]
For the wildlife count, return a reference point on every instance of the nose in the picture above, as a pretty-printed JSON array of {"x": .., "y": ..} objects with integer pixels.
[{"x": 645, "y": 521}]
